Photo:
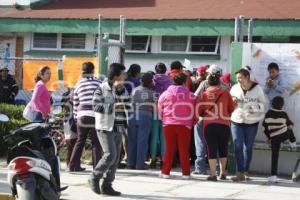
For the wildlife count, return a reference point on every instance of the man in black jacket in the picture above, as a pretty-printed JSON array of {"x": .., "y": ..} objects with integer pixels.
[{"x": 8, "y": 87}]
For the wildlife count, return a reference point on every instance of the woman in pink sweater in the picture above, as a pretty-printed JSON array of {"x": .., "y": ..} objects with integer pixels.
[
  {"x": 40, "y": 101},
  {"x": 176, "y": 109}
]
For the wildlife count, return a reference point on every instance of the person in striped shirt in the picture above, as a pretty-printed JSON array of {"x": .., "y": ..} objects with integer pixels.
[
  {"x": 278, "y": 128},
  {"x": 85, "y": 117}
]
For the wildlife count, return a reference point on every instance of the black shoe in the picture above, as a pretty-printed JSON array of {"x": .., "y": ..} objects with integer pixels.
[
  {"x": 122, "y": 166},
  {"x": 63, "y": 188},
  {"x": 130, "y": 167},
  {"x": 212, "y": 178},
  {"x": 94, "y": 185},
  {"x": 110, "y": 191},
  {"x": 223, "y": 177}
]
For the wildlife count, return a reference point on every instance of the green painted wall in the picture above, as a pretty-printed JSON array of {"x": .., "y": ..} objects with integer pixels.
[{"x": 149, "y": 27}]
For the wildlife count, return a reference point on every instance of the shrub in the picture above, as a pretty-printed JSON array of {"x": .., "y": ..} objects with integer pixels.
[{"x": 16, "y": 120}]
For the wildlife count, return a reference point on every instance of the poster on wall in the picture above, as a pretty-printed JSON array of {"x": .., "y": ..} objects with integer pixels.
[
  {"x": 287, "y": 56},
  {"x": 8, "y": 50}
]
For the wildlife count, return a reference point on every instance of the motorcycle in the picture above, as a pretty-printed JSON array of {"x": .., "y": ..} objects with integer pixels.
[{"x": 33, "y": 163}]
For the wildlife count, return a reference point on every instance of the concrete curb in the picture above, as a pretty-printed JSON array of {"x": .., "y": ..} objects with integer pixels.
[{"x": 5, "y": 196}]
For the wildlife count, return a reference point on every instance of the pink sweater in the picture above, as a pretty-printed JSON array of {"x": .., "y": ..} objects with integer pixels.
[
  {"x": 40, "y": 101},
  {"x": 176, "y": 106}
]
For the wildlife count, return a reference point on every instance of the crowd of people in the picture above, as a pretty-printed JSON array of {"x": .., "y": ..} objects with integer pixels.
[{"x": 156, "y": 115}]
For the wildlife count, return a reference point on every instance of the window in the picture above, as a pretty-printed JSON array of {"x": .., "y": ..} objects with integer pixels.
[
  {"x": 190, "y": 44},
  {"x": 203, "y": 44},
  {"x": 45, "y": 40},
  {"x": 137, "y": 43},
  {"x": 72, "y": 41},
  {"x": 174, "y": 43}
]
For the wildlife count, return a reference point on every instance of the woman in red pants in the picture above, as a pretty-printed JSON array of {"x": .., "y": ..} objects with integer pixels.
[{"x": 176, "y": 109}]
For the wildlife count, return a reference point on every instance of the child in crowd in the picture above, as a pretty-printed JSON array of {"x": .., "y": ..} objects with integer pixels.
[
  {"x": 176, "y": 110},
  {"x": 133, "y": 77},
  {"x": 277, "y": 128},
  {"x": 143, "y": 98},
  {"x": 70, "y": 127},
  {"x": 274, "y": 83},
  {"x": 161, "y": 83}
]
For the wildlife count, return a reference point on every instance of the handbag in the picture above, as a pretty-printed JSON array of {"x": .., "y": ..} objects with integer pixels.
[{"x": 27, "y": 113}]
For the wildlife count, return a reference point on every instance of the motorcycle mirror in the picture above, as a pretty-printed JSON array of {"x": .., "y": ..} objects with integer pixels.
[{"x": 3, "y": 118}]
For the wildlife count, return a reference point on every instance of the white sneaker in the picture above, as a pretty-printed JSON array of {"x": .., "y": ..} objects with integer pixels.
[
  {"x": 293, "y": 145},
  {"x": 165, "y": 176},
  {"x": 272, "y": 179},
  {"x": 186, "y": 177}
]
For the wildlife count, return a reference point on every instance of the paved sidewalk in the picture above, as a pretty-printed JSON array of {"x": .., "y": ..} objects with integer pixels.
[{"x": 146, "y": 185}]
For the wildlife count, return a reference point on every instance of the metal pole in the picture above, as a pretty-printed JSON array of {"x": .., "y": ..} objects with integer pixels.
[
  {"x": 250, "y": 30},
  {"x": 241, "y": 29},
  {"x": 122, "y": 38},
  {"x": 99, "y": 44},
  {"x": 236, "y": 30}
]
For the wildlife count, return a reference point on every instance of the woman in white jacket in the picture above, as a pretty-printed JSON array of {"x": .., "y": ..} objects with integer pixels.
[{"x": 250, "y": 104}]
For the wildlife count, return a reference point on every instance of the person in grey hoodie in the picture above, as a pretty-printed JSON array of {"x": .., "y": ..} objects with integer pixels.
[
  {"x": 140, "y": 122},
  {"x": 161, "y": 83}
]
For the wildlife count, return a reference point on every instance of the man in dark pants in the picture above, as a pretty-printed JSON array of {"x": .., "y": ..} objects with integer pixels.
[
  {"x": 110, "y": 101},
  {"x": 8, "y": 86},
  {"x": 85, "y": 117}
]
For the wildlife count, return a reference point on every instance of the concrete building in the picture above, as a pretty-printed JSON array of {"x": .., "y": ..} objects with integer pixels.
[{"x": 156, "y": 31}]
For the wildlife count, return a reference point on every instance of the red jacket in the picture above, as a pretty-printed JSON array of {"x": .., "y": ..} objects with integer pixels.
[
  {"x": 215, "y": 106},
  {"x": 188, "y": 82}
]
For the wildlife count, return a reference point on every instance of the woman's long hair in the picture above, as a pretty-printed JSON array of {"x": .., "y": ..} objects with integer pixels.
[{"x": 41, "y": 73}]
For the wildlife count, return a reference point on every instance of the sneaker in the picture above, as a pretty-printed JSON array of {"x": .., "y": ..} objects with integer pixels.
[
  {"x": 239, "y": 177},
  {"x": 152, "y": 165},
  {"x": 223, "y": 177},
  {"x": 165, "y": 176},
  {"x": 272, "y": 179},
  {"x": 94, "y": 185},
  {"x": 110, "y": 191},
  {"x": 293, "y": 145},
  {"x": 212, "y": 178},
  {"x": 247, "y": 177},
  {"x": 186, "y": 177},
  {"x": 80, "y": 169}
]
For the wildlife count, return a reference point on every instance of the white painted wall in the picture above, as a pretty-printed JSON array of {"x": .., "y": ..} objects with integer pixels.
[
  {"x": 19, "y": 2},
  {"x": 261, "y": 162}
]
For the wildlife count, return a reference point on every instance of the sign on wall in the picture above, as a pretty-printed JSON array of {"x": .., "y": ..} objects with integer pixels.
[
  {"x": 7, "y": 50},
  {"x": 287, "y": 56}
]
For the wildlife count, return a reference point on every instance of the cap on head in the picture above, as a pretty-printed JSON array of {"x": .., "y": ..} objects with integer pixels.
[
  {"x": 201, "y": 69},
  {"x": 214, "y": 69}
]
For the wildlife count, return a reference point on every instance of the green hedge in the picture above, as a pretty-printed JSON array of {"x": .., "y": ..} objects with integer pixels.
[{"x": 16, "y": 120}]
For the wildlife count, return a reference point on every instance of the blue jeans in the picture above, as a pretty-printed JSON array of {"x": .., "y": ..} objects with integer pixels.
[
  {"x": 243, "y": 139},
  {"x": 138, "y": 136},
  {"x": 37, "y": 117},
  {"x": 200, "y": 146}
]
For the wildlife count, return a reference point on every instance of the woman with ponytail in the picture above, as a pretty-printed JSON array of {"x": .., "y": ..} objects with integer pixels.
[
  {"x": 40, "y": 101},
  {"x": 215, "y": 107}
]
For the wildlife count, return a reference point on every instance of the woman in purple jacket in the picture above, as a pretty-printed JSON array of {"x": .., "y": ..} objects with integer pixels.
[{"x": 161, "y": 83}]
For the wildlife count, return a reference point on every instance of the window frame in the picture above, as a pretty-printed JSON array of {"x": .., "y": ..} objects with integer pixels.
[
  {"x": 58, "y": 44},
  {"x": 139, "y": 51},
  {"x": 189, "y": 39}
]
